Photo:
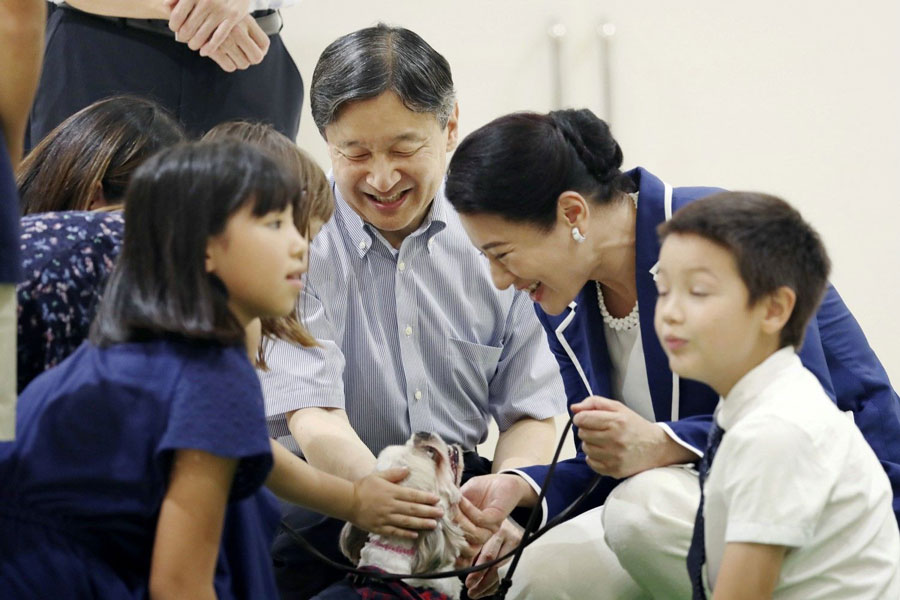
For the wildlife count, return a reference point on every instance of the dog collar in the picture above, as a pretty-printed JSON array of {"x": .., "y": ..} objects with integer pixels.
[{"x": 394, "y": 548}]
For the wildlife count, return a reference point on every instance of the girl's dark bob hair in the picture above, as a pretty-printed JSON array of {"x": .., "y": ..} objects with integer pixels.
[{"x": 175, "y": 202}]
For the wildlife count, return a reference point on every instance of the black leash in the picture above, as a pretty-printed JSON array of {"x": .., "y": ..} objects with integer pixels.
[{"x": 530, "y": 535}]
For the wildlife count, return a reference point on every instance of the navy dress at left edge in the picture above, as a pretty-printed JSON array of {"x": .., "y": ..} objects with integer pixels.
[
  {"x": 10, "y": 262},
  {"x": 84, "y": 481}
]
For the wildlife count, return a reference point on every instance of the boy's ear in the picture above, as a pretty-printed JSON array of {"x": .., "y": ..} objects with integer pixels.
[{"x": 779, "y": 307}]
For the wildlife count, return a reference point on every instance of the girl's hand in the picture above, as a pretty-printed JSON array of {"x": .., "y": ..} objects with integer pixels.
[{"x": 383, "y": 507}]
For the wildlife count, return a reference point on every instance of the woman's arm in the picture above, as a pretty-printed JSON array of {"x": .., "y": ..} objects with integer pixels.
[
  {"x": 748, "y": 571},
  {"x": 189, "y": 531}
]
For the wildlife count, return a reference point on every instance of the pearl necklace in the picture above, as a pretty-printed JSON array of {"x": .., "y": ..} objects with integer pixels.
[{"x": 632, "y": 319}]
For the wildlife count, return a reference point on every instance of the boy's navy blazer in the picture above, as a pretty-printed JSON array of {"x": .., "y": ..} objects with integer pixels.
[{"x": 834, "y": 349}]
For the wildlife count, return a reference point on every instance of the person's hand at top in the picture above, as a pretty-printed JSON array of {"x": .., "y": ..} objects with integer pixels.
[
  {"x": 619, "y": 442},
  {"x": 204, "y": 25},
  {"x": 382, "y": 506},
  {"x": 245, "y": 46}
]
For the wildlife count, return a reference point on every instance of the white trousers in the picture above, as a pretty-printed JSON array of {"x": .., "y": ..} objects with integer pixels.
[
  {"x": 7, "y": 361},
  {"x": 633, "y": 547}
]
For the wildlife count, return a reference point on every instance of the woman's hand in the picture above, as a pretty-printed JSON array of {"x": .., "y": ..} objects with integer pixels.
[
  {"x": 619, "y": 442},
  {"x": 381, "y": 506}
]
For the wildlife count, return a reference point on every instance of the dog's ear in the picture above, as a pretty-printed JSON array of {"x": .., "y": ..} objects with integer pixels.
[
  {"x": 439, "y": 548},
  {"x": 456, "y": 456},
  {"x": 352, "y": 541},
  {"x": 430, "y": 550}
]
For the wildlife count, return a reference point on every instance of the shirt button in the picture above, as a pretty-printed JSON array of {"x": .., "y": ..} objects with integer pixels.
[
  {"x": 402, "y": 266},
  {"x": 418, "y": 394},
  {"x": 408, "y": 331},
  {"x": 362, "y": 245}
]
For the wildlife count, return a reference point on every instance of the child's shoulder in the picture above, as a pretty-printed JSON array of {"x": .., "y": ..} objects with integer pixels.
[
  {"x": 165, "y": 359},
  {"x": 795, "y": 418}
]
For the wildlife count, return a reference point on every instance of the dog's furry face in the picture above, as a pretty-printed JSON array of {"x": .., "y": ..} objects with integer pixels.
[{"x": 434, "y": 466}]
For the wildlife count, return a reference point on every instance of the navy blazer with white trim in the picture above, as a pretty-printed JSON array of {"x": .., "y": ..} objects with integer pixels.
[{"x": 834, "y": 349}]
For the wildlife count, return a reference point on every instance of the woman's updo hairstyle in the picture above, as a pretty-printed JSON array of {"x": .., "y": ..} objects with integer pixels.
[{"x": 518, "y": 165}]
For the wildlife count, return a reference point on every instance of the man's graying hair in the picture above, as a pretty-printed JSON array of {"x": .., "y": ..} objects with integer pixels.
[{"x": 368, "y": 62}]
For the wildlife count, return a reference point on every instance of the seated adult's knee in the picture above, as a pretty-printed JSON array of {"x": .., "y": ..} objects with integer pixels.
[
  {"x": 573, "y": 562},
  {"x": 649, "y": 510}
]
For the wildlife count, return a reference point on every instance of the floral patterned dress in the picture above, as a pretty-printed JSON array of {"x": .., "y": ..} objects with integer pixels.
[{"x": 66, "y": 260}]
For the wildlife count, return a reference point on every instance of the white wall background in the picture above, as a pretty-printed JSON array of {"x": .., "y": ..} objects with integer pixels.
[{"x": 796, "y": 98}]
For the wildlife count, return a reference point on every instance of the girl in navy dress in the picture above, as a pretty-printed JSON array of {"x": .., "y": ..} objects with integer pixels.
[{"x": 140, "y": 459}]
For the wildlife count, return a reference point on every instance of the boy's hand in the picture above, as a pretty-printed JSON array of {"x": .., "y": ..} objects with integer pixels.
[
  {"x": 383, "y": 507},
  {"x": 617, "y": 441}
]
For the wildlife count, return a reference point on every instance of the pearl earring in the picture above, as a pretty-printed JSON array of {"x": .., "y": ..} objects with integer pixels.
[{"x": 577, "y": 235}]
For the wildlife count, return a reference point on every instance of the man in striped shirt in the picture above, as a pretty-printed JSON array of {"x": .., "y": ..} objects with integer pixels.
[{"x": 413, "y": 335}]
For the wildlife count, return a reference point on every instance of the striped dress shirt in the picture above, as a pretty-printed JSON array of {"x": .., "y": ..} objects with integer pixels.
[{"x": 415, "y": 339}]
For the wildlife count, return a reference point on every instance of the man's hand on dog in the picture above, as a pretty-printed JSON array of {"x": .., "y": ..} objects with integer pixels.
[
  {"x": 478, "y": 528},
  {"x": 383, "y": 507},
  {"x": 498, "y": 494},
  {"x": 485, "y": 582}
]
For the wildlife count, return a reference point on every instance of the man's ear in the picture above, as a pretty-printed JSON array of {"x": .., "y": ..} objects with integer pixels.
[
  {"x": 453, "y": 128},
  {"x": 779, "y": 306}
]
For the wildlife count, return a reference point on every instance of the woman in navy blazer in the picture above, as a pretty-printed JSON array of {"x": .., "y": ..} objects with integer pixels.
[{"x": 532, "y": 224}]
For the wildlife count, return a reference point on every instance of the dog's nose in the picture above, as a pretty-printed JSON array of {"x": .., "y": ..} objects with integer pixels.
[{"x": 423, "y": 436}]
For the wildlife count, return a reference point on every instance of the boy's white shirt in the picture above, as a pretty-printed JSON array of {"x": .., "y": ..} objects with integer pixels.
[{"x": 792, "y": 470}]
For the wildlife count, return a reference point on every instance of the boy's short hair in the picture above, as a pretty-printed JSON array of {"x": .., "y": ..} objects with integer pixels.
[{"x": 771, "y": 243}]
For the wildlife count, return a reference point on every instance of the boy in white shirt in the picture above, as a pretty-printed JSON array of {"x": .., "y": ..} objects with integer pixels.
[{"x": 794, "y": 502}]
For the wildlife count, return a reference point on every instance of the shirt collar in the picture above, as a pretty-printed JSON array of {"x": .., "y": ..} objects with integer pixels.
[
  {"x": 361, "y": 233},
  {"x": 748, "y": 392}
]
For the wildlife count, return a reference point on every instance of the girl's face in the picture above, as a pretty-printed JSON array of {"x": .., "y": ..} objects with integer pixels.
[
  {"x": 542, "y": 263},
  {"x": 260, "y": 260}
]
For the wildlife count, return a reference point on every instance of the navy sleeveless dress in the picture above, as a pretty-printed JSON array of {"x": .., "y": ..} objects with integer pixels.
[{"x": 83, "y": 483}]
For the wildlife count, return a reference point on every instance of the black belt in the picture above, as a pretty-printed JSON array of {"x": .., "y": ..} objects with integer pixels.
[{"x": 269, "y": 21}]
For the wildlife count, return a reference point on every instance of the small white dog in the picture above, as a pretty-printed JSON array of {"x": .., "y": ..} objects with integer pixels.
[{"x": 435, "y": 467}]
